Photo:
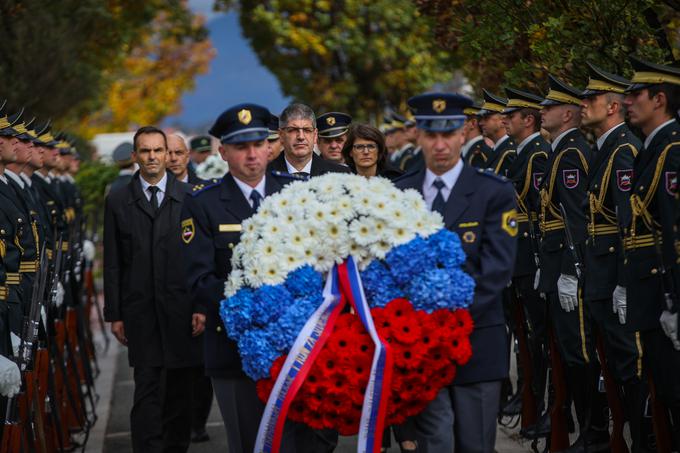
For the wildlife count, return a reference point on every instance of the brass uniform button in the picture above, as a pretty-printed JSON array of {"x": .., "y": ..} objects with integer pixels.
[
  {"x": 231, "y": 245},
  {"x": 611, "y": 249},
  {"x": 526, "y": 235},
  {"x": 654, "y": 271},
  {"x": 219, "y": 328}
]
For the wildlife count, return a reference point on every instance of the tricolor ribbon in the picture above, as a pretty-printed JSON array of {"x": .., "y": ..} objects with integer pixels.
[{"x": 343, "y": 285}]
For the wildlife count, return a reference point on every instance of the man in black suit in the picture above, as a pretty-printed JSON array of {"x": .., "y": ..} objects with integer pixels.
[
  {"x": 298, "y": 135},
  {"x": 211, "y": 228},
  {"x": 480, "y": 207},
  {"x": 146, "y": 302}
]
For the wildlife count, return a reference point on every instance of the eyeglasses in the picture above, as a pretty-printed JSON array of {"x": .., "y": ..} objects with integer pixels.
[
  {"x": 295, "y": 130},
  {"x": 369, "y": 147}
]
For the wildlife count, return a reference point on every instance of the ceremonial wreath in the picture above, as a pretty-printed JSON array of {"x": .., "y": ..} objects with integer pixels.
[{"x": 347, "y": 300}]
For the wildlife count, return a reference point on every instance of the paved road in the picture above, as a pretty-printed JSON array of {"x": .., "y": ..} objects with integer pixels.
[{"x": 112, "y": 435}]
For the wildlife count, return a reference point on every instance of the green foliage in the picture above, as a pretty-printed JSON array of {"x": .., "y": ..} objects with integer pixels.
[
  {"x": 354, "y": 55},
  {"x": 92, "y": 179},
  {"x": 516, "y": 42}
]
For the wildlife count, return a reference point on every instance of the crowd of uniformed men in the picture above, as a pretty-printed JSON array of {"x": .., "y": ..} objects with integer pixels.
[{"x": 566, "y": 205}]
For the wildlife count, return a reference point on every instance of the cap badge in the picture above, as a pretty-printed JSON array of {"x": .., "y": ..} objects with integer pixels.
[
  {"x": 439, "y": 105},
  {"x": 330, "y": 120},
  {"x": 244, "y": 116}
]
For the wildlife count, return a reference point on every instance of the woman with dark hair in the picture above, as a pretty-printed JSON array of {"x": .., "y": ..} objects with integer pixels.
[{"x": 366, "y": 154}]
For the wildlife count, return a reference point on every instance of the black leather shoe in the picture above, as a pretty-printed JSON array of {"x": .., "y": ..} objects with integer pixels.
[
  {"x": 200, "y": 435},
  {"x": 513, "y": 406},
  {"x": 539, "y": 430},
  {"x": 598, "y": 442}
]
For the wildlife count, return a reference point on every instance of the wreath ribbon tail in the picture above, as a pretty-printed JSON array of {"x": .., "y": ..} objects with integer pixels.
[
  {"x": 303, "y": 353},
  {"x": 374, "y": 410}
]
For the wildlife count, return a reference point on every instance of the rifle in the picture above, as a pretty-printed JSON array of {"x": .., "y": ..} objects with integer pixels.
[
  {"x": 559, "y": 437},
  {"x": 529, "y": 400},
  {"x": 571, "y": 245}
]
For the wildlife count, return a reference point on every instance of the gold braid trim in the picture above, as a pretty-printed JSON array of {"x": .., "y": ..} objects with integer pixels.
[
  {"x": 3, "y": 248},
  {"x": 638, "y": 205},
  {"x": 546, "y": 196},
  {"x": 502, "y": 159}
]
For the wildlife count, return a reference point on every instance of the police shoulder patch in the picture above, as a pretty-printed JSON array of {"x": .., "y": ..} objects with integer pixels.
[
  {"x": 203, "y": 188},
  {"x": 509, "y": 222},
  {"x": 492, "y": 174},
  {"x": 188, "y": 230}
]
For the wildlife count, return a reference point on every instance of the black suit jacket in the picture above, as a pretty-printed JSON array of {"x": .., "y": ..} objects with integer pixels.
[
  {"x": 320, "y": 166},
  {"x": 478, "y": 210},
  {"x": 211, "y": 221},
  {"x": 144, "y": 280}
]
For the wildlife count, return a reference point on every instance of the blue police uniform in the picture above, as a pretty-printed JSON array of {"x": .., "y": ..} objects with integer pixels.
[{"x": 481, "y": 209}]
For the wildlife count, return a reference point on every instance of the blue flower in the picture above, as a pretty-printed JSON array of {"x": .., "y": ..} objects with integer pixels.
[
  {"x": 283, "y": 333},
  {"x": 379, "y": 286},
  {"x": 406, "y": 258},
  {"x": 435, "y": 289},
  {"x": 236, "y": 312},
  {"x": 304, "y": 282},
  {"x": 257, "y": 354},
  {"x": 446, "y": 248},
  {"x": 269, "y": 303}
]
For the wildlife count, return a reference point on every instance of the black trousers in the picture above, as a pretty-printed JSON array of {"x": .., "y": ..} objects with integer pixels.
[
  {"x": 160, "y": 419},
  {"x": 572, "y": 331},
  {"x": 203, "y": 398}
]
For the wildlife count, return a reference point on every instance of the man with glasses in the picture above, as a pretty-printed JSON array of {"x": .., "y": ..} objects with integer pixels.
[{"x": 298, "y": 135}]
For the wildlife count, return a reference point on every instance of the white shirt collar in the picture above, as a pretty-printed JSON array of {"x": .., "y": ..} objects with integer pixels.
[
  {"x": 292, "y": 170},
  {"x": 449, "y": 178},
  {"x": 500, "y": 142},
  {"x": 469, "y": 144},
  {"x": 14, "y": 177},
  {"x": 603, "y": 137},
  {"x": 3, "y": 178},
  {"x": 162, "y": 184},
  {"x": 650, "y": 137},
  {"x": 45, "y": 178},
  {"x": 26, "y": 179},
  {"x": 559, "y": 138},
  {"x": 526, "y": 141},
  {"x": 247, "y": 190},
  {"x": 186, "y": 178}
]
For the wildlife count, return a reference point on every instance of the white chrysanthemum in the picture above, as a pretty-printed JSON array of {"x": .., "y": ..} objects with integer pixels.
[
  {"x": 233, "y": 283},
  {"x": 360, "y": 231}
]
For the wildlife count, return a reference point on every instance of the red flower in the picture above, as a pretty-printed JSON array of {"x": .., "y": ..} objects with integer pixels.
[
  {"x": 459, "y": 349},
  {"x": 408, "y": 357},
  {"x": 276, "y": 366},
  {"x": 406, "y": 329},
  {"x": 264, "y": 388},
  {"x": 399, "y": 308},
  {"x": 357, "y": 368},
  {"x": 464, "y": 321}
]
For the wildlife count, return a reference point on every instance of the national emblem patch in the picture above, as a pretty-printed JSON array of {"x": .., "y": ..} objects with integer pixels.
[
  {"x": 188, "y": 230},
  {"x": 537, "y": 179},
  {"x": 671, "y": 182},
  {"x": 570, "y": 178},
  {"x": 624, "y": 179}
]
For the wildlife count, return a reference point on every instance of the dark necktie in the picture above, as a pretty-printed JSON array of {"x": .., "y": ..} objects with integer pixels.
[
  {"x": 154, "y": 199},
  {"x": 304, "y": 174},
  {"x": 438, "y": 203},
  {"x": 256, "y": 199}
]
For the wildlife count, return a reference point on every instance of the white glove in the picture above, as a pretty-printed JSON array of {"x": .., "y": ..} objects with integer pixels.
[
  {"x": 59, "y": 296},
  {"x": 16, "y": 341},
  {"x": 10, "y": 377},
  {"x": 537, "y": 278},
  {"x": 619, "y": 303},
  {"x": 669, "y": 324},
  {"x": 567, "y": 291},
  {"x": 88, "y": 250}
]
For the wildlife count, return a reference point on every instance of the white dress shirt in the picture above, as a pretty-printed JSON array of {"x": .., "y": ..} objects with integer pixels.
[
  {"x": 603, "y": 138},
  {"x": 161, "y": 188},
  {"x": 559, "y": 138},
  {"x": 500, "y": 142},
  {"x": 526, "y": 141},
  {"x": 292, "y": 170},
  {"x": 469, "y": 144},
  {"x": 247, "y": 190},
  {"x": 27, "y": 179},
  {"x": 650, "y": 137},
  {"x": 14, "y": 177},
  {"x": 449, "y": 178}
]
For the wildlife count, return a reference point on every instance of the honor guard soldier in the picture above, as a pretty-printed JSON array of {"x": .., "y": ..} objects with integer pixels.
[
  {"x": 333, "y": 128},
  {"x": 563, "y": 225},
  {"x": 652, "y": 273},
  {"x": 491, "y": 122},
  {"x": 122, "y": 157},
  {"x": 211, "y": 227},
  {"x": 480, "y": 207},
  {"x": 476, "y": 152},
  {"x": 609, "y": 188},
  {"x": 522, "y": 120},
  {"x": 15, "y": 224}
]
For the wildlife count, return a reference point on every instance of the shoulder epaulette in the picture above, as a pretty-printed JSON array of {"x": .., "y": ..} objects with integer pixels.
[
  {"x": 283, "y": 174},
  {"x": 492, "y": 174},
  {"x": 200, "y": 188}
]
